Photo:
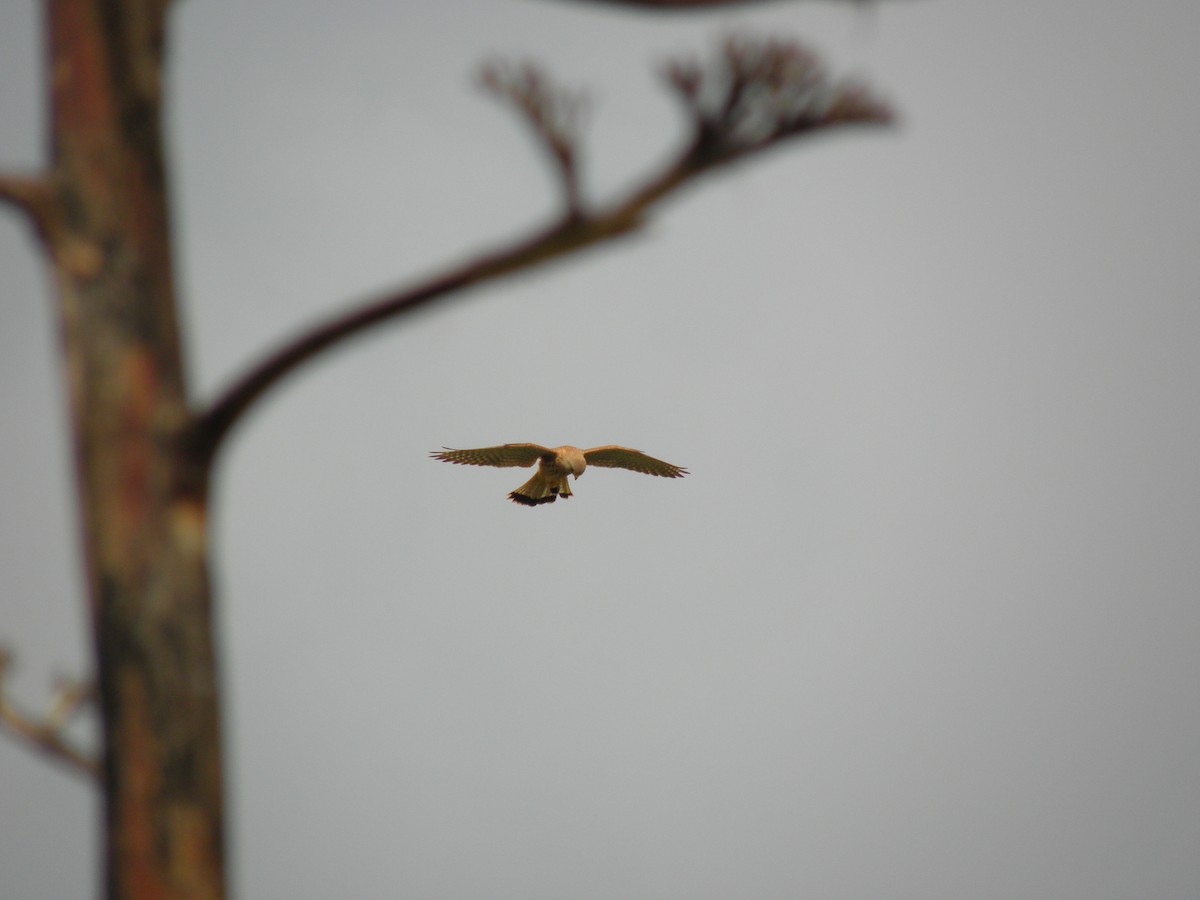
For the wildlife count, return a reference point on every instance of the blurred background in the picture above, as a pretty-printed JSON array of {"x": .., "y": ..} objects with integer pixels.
[{"x": 922, "y": 623}]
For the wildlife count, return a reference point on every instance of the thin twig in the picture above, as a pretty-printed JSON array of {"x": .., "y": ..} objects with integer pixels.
[
  {"x": 46, "y": 734},
  {"x": 758, "y": 94}
]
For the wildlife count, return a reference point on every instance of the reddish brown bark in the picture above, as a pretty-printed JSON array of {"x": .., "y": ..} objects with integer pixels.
[{"x": 143, "y": 494}]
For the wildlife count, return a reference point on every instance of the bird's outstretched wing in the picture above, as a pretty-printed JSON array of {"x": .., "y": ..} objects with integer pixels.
[
  {"x": 506, "y": 455},
  {"x": 623, "y": 458}
]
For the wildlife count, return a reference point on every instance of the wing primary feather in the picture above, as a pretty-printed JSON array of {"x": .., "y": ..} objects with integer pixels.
[
  {"x": 503, "y": 456},
  {"x": 613, "y": 457}
]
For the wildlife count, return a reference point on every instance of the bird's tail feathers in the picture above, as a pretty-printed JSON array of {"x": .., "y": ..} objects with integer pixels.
[{"x": 541, "y": 489}]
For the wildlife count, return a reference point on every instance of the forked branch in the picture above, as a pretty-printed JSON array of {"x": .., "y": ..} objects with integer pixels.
[
  {"x": 757, "y": 94},
  {"x": 47, "y": 734}
]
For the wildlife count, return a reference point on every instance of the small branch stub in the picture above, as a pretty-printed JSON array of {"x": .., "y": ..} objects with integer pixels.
[{"x": 33, "y": 196}]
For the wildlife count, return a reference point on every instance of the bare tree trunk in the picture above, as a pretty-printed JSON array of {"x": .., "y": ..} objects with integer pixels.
[{"x": 105, "y": 220}]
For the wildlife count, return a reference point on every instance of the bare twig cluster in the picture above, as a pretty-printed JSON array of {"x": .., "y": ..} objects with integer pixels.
[
  {"x": 762, "y": 92},
  {"x": 48, "y": 733}
]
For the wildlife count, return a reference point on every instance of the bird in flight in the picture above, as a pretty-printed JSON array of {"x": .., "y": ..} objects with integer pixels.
[{"x": 555, "y": 464}]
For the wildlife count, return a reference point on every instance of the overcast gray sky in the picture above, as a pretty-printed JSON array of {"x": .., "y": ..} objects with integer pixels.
[{"x": 922, "y": 623}]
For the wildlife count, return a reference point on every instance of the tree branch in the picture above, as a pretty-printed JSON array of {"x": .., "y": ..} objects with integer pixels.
[
  {"x": 758, "y": 94},
  {"x": 211, "y": 427},
  {"x": 32, "y": 195},
  {"x": 46, "y": 734},
  {"x": 694, "y": 4}
]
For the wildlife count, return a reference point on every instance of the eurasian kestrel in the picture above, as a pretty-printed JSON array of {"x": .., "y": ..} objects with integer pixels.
[{"x": 554, "y": 465}]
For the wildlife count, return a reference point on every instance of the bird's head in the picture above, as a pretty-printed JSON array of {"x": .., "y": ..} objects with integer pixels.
[{"x": 572, "y": 459}]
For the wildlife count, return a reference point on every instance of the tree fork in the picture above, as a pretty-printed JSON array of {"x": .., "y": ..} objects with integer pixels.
[{"x": 143, "y": 490}]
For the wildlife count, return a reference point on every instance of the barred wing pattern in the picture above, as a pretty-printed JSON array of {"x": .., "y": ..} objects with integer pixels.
[
  {"x": 613, "y": 457},
  {"x": 504, "y": 456}
]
